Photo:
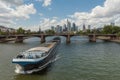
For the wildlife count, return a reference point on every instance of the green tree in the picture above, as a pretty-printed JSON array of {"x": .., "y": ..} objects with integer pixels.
[
  {"x": 107, "y": 29},
  {"x": 0, "y": 32},
  {"x": 20, "y": 31},
  {"x": 115, "y": 30},
  {"x": 28, "y": 32},
  {"x": 50, "y": 32},
  {"x": 118, "y": 34}
]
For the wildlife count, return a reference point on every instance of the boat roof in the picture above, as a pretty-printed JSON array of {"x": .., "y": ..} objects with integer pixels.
[
  {"x": 39, "y": 49},
  {"x": 45, "y": 48}
]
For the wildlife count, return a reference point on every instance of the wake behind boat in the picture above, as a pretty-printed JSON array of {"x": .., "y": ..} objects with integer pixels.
[{"x": 36, "y": 58}]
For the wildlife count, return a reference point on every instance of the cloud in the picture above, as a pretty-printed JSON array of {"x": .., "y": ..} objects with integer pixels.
[
  {"x": 46, "y": 23},
  {"x": 46, "y": 3},
  {"x": 38, "y": 0},
  {"x": 10, "y": 13},
  {"x": 99, "y": 15},
  {"x": 13, "y": 2},
  {"x": 110, "y": 8},
  {"x": 23, "y": 11},
  {"x": 41, "y": 14}
]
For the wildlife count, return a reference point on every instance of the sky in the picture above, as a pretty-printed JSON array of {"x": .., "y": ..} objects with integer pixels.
[{"x": 32, "y": 14}]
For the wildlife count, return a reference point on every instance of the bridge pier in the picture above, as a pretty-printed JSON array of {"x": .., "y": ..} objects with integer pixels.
[
  {"x": 92, "y": 38},
  {"x": 68, "y": 39},
  {"x": 19, "y": 39},
  {"x": 2, "y": 39},
  {"x": 113, "y": 37},
  {"x": 43, "y": 38}
]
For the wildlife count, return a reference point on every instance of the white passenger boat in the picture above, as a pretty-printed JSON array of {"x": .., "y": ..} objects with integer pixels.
[{"x": 36, "y": 58}]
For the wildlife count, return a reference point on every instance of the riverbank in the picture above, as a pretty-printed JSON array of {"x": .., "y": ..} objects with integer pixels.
[{"x": 108, "y": 39}]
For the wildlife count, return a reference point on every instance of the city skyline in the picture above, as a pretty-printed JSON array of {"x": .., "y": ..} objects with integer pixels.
[
  {"x": 67, "y": 27},
  {"x": 30, "y": 14}
]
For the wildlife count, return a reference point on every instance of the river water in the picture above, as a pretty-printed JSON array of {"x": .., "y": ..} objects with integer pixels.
[{"x": 79, "y": 60}]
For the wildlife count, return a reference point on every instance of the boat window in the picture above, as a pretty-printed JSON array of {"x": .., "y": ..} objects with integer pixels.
[
  {"x": 30, "y": 56},
  {"x": 37, "y": 56},
  {"x": 20, "y": 56},
  {"x": 43, "y": 54}
]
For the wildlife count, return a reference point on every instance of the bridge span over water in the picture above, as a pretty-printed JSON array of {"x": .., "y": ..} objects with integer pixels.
[{"x": 21, "y": 37}]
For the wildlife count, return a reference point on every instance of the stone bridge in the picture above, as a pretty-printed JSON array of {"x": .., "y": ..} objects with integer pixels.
[
  {"x": 20, "y": 38},
  {"x": 108, "y": 37}
]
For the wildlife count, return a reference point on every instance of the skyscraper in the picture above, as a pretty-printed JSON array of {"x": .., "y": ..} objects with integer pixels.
[
  {"x": 64, "y": 27},
  {"x": 84, "y": 28},
  {"x": 68, "y": 25},
  {"x": 73, "y": 27},
  {"x": 89, "y": 27},
  {"x": 58, "y": 29},
  {"x": 112, "y": 24},
  {"x": 39, "y": 30},
  {"x": 53, "y": 28}
]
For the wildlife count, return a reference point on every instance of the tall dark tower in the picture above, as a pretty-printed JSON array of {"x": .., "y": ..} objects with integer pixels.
[
  {"x": 112, "y": 24},
  {"x": 68, "y": 25},
  {"x": 73, "y": 27},
  {"x": 89, "y": 27},
  {"x": 84, "y": 28},
  {"x": 39, "y": 30}
]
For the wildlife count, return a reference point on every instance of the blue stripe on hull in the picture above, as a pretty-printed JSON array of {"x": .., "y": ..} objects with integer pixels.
[{"x": 27, "y": 63}]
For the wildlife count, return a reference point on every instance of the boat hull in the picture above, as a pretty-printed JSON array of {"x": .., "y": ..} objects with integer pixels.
[{"x": 26, "y": 67}]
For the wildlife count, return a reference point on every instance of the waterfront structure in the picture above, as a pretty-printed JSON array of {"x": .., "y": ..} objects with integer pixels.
[
  {"x": 6, "y": 29},
  {"x": 3, "y": 29},
  {"x": 20, "y": 38}
]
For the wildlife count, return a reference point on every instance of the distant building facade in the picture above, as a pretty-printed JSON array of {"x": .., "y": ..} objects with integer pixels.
[
  {"x": 58, "y": 29},
  {"x": 6, "y": 29},
  {"x": 68, "y": 25},
  {"x": 112, "y": 24},
  {"x": 84, "y": 28},
  {"x": 89, "y": 27}
]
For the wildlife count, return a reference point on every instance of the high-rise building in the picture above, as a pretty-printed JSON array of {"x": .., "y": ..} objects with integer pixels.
[
  {"x": 84, "y": 28},
  {"x": 61, "y": 29},
  {"x": 68, "y": 25},
  {"x": 112, "y": 24},
  {"x": 73, "y": 27},
  {"x": 76, "y": 28},
  {"x": 39, "y": 30},
  {"x": 58, "y": 29},
  {"x": 64, "y": 27},
  {"x": 53, "y": 28},
  {"x": 89, "y": 27}
]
